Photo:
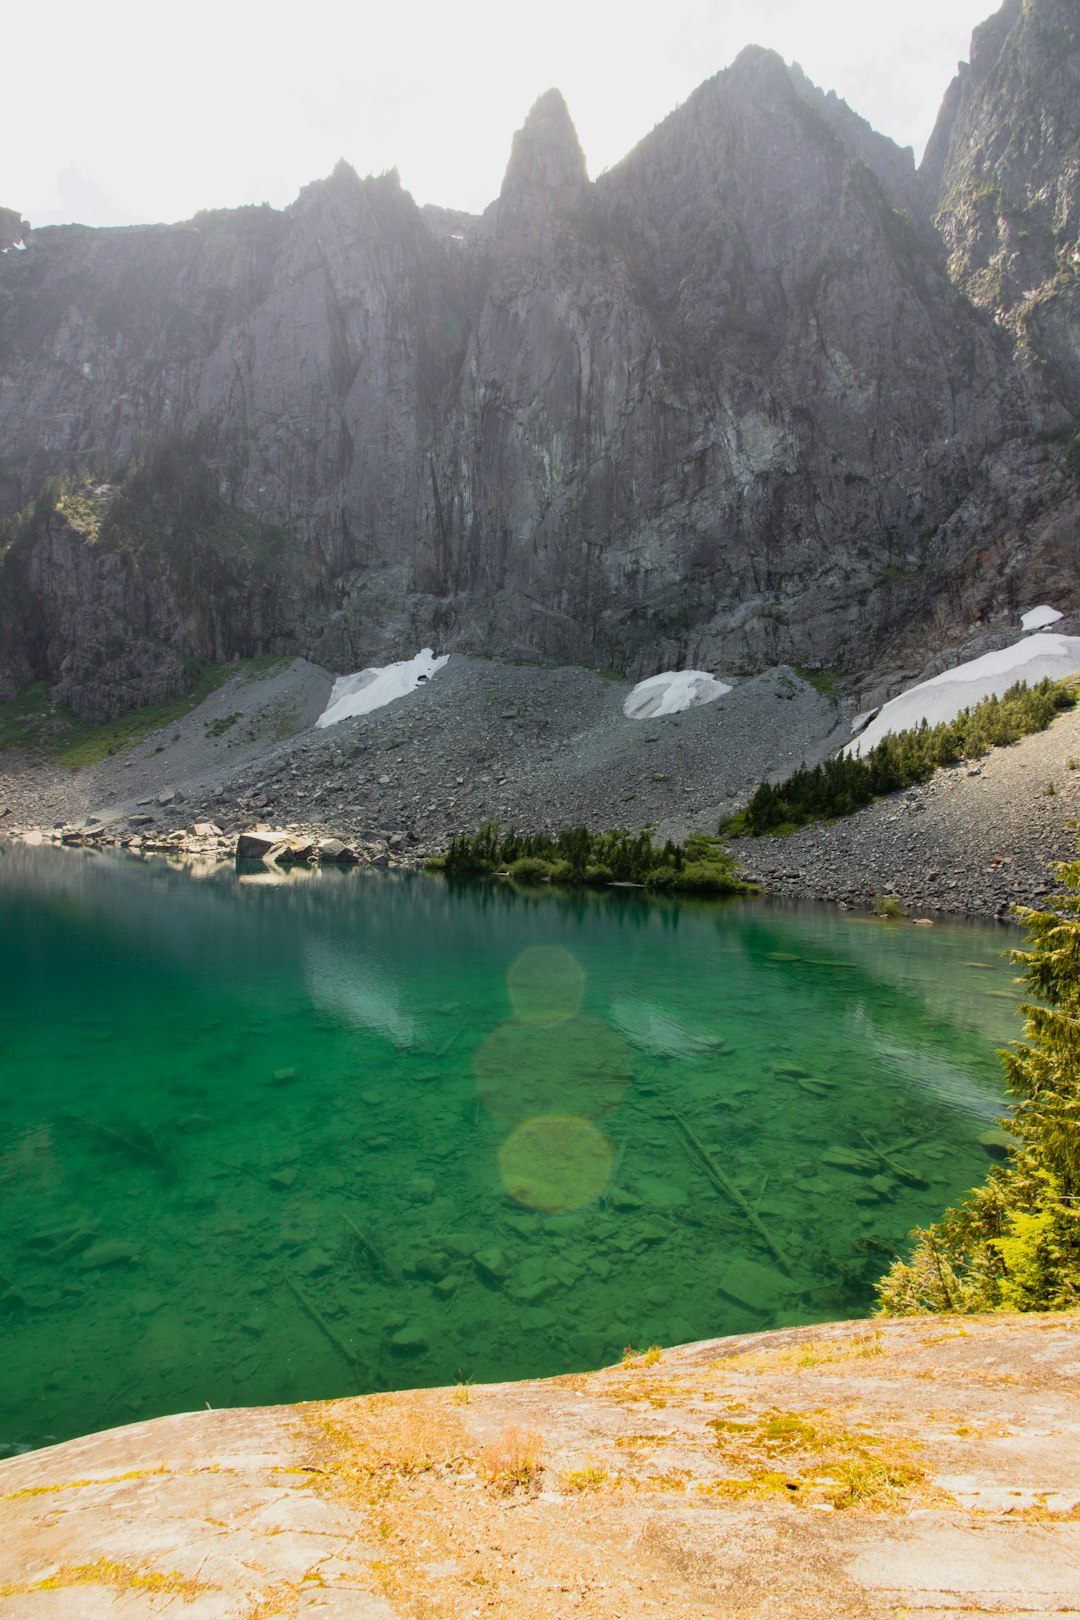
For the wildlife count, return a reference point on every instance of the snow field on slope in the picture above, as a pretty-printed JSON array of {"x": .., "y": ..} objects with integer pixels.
[
  {"x": 943, "y": 697},
  {"x": 672, "y": 692},
  {"x": 373, "y": 688}
]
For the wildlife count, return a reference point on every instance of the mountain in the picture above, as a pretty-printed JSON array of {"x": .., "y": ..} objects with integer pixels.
[
  {"x": 1003, "y": 175},
  {"x": 753, "y": 395}
]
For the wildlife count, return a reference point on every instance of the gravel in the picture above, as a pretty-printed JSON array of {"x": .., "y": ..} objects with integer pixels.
[
  {"x": 975, "y": 839},
  {"x": 542, "y": 748}
]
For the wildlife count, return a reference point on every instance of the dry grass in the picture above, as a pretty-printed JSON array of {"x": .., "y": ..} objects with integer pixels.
[
  {"x": 809, "y": 1458},
  {"x": 122, "y": 1577},
  {"x": 589, "y": 1478},
  {"x": 641, "y": 1358},
  {"x": 380, "y": 1441},
  {"x": 82, "y": 1484},
  {"x": 512, "y": 1462},
  {"x": 808, "y": 1353}
]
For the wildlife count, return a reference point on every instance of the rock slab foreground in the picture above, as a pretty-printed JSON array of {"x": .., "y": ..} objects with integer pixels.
[{"x": 923, "y": 1467}]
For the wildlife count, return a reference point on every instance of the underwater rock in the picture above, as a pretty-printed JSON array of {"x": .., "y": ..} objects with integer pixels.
[
  {"x": 64, "y": 1244},
  {"x": 189, "y": 1124},
  {"x": 408, "y": 1341},
  {"x": 661, "y": 1194},
  {"x": 529, "y": 1293},
  {"x": 491, "y": 1264},
  {"x": 431, "y": 1264},
  {"x": 814, "y": 1086},
  {"x": 145, "y": 1303},
  {"x": 108, "y": 1252},
  {"x": 760, "y": 1288},
  {"x": 283, "y": 1179},
  {"x": 842, "y": 1158},
  {"x": 314, "y": 1263},
  {"x": 285, "y": 1077},
  {"x": 997, "y": 1142},
  {"x": 420, "y": 1190}
]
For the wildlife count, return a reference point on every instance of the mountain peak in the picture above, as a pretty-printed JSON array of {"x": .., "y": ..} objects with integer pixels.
[{"x": 546, "y": 155}]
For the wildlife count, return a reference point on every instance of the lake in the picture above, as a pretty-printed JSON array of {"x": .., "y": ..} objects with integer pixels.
[{"x": 273, "y": 1140}]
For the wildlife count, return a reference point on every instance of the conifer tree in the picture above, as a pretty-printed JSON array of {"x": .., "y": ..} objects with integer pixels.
[{"x": 1014, "y": 1243}]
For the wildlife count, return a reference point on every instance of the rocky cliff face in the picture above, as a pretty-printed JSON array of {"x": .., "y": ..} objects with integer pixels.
[
  {"x": 1002, "y": 172},
  {"x": 744, "y": 399}
]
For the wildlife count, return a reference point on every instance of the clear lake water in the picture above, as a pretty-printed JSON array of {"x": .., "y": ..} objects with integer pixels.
[{"x": 268, "y": 1141}]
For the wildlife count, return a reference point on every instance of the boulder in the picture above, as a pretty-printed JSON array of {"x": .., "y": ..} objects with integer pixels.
[
  {"x": 335, "y": 852},
  {"x": 491, "y": 1264},
  {"x": 255, "y": 846}
]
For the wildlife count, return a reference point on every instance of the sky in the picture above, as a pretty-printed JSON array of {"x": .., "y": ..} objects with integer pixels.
[{"x": 130, "y": 111}]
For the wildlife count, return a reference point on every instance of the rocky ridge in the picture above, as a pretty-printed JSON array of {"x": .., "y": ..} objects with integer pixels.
[{"x": 723, "y": 406}]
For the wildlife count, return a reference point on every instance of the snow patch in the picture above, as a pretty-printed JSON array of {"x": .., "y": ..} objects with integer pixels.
[
  {"x": 373, "y": 688},
  {"x": 671, "y": 693},
  {"x": 1037, "y": 618},
  {"x": 943, "y": 697}
]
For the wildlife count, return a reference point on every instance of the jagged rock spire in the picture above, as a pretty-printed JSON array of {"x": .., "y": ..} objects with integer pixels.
[{"x": 546, "y": 156}]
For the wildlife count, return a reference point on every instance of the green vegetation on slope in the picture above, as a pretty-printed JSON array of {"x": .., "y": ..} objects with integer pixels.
[
  {"x": 1013, "y": 1244},
  {"x": 169, "y": 502},
  {"x": 841, "y": 785},
  {"x": 32, "y": 721},
  {"x": 577, "y": 856}
]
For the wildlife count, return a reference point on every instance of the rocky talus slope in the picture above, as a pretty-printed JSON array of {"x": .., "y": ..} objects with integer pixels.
[
  {"x": 852, "y": 1470},
  {"x": 976, "y": 839},
  {"x": 545, "y": 749}
]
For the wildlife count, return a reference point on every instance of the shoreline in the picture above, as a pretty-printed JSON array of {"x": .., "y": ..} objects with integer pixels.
[
  {"x": 545, "y": 749},
  {"x": 296, "y": 850}
]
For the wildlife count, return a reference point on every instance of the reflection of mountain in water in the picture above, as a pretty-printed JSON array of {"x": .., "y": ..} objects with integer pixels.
[
  {"x": 908, "y": 1064},
  {"x": 350, "y": 985},
  {"x": 656, "y": 1030}
]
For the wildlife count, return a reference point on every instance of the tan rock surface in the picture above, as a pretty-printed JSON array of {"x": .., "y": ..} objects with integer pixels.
[{"x": 926, "y": 1467}]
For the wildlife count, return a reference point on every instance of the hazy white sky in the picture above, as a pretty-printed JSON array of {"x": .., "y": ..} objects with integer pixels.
[{"x": 131, "y": 110}]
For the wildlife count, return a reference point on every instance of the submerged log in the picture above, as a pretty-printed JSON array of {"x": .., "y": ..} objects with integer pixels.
[
  {"x": 374, "y": 1254},
  {"x": 320, "y": 1322},
  {"x": 912, "y": 1177},
  {"x": 729, "y": 1189}
]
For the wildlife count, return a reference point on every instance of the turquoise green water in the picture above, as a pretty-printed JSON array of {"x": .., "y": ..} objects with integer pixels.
[{"x": 264, "y": 1142}]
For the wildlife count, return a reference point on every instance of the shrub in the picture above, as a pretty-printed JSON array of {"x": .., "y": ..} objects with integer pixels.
[
  {"x": 662, "y": 878},
  {"x": 530, "y": 869},
  {"x": 887, "y": 906},
  {"x": 1014, "y": 1243},
  {"x": 576, "y": 855},
  {"x": 702, "y": 877}
]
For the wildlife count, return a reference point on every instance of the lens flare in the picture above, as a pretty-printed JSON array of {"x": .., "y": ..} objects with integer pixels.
[
  {"x": 546, "y": 985},
  {"x": 579, "y": 1067},
  {"x": 555, "y": 1163}
]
